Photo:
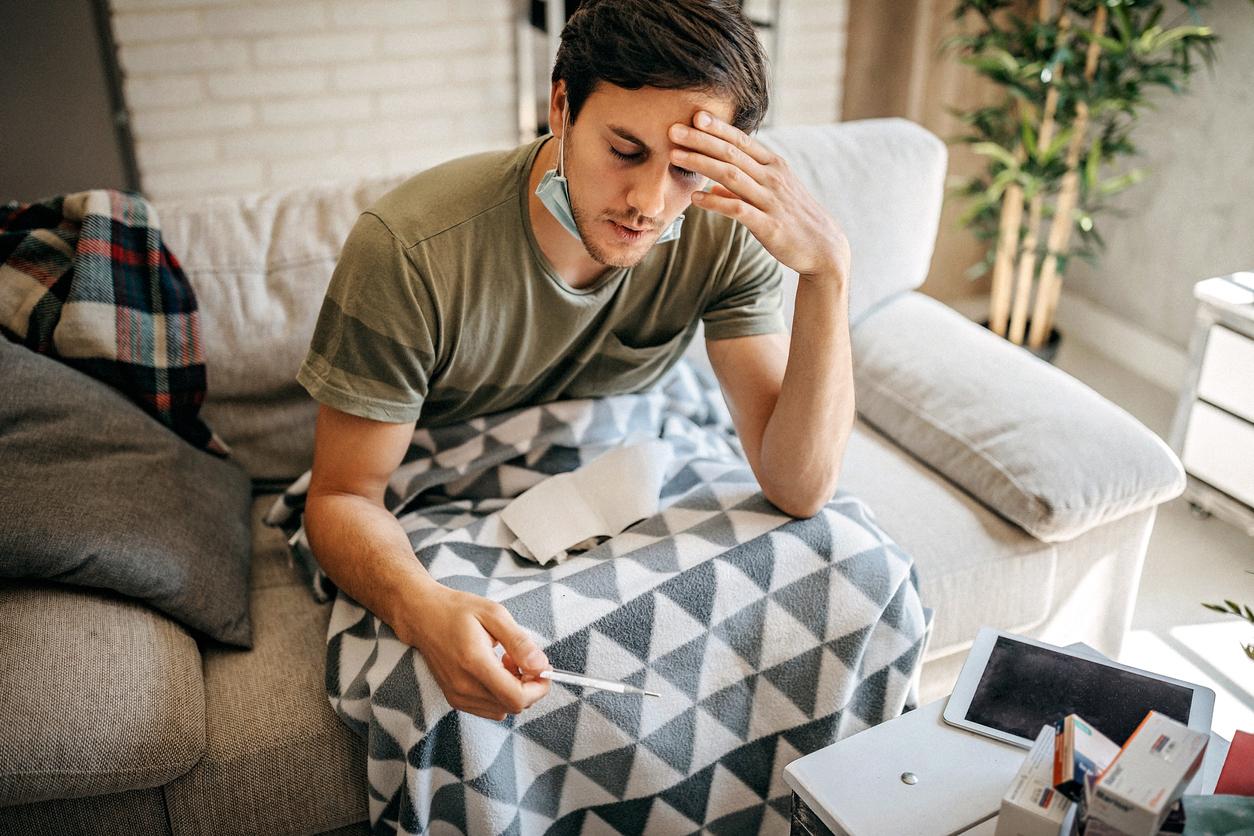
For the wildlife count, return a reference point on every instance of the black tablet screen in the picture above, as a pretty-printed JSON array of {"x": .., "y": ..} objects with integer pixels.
[{"x": 1025, "y": 687}]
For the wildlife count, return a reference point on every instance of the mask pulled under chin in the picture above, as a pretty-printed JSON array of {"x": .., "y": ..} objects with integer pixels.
[{"x": 554, "y": 193}]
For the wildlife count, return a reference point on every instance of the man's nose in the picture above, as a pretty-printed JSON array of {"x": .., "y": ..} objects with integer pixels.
[{"x": 648, "y": 191}]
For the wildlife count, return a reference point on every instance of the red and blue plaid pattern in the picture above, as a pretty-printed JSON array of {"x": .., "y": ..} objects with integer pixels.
[{"x": 86, "y": 279}]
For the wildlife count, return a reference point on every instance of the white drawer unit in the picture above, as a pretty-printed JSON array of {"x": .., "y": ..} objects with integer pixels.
[
  {"x": 1219, "y": 450},
  {"x": 1227, "y": 378},
  {"x": 1213, "y": 432}
]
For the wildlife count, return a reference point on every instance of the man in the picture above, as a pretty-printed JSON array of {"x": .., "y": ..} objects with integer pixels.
[{"x": 480, "y": 286}]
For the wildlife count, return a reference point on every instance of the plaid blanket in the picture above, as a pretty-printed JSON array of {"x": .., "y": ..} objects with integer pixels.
[
  {"x": 86, "y": 278},
  {"x": 767, "y": 637}
]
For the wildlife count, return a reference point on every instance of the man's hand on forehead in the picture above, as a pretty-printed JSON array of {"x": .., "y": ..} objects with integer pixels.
[{"x": 757, "y": 188}]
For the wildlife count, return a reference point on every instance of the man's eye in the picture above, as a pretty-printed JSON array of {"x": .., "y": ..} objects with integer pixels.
[
  {"x": 684, "y": 173},
  {"x": 622, "y": 156}
]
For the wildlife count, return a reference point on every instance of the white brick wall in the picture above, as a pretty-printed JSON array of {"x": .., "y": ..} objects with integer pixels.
[
  {"x": 810, "y": 71},
  {"x": 231, "y": 96}
]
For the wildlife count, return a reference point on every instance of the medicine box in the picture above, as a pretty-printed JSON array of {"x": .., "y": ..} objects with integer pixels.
[
  {"x": 1135, "y": 794},
  {"x": 1032, "y": 807},
  {"x": 1081, "y": 753}
]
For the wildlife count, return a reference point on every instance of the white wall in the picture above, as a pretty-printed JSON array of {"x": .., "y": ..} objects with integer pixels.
[
  {"x": 810, "y": 71},
  {"x": 231, "y": 96},
  {"x": 1193, "y": 218}
]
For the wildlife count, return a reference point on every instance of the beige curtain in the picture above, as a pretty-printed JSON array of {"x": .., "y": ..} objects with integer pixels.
[{"x": 894, "y": 68}]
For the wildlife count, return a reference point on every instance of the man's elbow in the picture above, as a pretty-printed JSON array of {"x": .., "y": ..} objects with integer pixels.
[{"x": 799, "y": 502}]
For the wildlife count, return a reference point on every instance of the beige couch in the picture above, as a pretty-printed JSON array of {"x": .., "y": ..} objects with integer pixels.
[{"x": 1025, "y": 499}]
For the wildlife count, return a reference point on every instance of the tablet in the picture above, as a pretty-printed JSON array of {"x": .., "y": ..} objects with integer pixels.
[{"x": 1010, "y": 686}]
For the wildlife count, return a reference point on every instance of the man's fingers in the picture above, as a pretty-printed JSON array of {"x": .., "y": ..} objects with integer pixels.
[
  {"x": 719, "y": 139},
  {"x": 510, "y": 692},
  {"x": 746, "y": 144},
  {"x": 719, "y": 191},
  {"x": 524, "y": 652},
  {"x": 728, "y": 175},
  {"x": 727, "y": 203}
]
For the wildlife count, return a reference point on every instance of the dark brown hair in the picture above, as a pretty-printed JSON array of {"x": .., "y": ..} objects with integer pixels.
[{"x": 706, "y": 45}]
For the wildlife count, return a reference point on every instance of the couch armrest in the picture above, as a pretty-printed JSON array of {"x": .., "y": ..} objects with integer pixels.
[{"x": 1027, "y": 440}]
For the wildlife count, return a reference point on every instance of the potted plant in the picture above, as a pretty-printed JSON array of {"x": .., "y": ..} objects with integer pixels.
[{"x": 1075, "y": 77}]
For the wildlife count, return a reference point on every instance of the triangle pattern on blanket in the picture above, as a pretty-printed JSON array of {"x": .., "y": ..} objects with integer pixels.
[{"x": 766, "y": 638}]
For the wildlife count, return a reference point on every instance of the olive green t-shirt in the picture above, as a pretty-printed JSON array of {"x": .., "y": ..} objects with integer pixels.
[{"x": 443, "y": 307}]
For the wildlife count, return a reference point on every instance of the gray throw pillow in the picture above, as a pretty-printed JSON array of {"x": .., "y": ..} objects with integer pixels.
[
  {"x": 1032, "y": 443},
  {"x": 95, "y": 492}
]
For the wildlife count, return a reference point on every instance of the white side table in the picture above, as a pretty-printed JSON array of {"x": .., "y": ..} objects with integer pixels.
[
  {"x": 1213, "y": 431},
  {"x": 911, "y": 776},
  {"x": 855, "y": 787}
]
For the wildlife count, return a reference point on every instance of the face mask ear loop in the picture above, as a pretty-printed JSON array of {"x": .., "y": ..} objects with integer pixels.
[{"x": 561, "y": 144}]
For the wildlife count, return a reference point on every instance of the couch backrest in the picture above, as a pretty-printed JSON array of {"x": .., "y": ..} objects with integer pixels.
[
  {"x": 883, "y": 181},
  {"x": 260, "y": 266}
]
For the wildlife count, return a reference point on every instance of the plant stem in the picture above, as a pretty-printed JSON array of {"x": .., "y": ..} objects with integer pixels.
[
  {"x": 1050, "y": 287},
  {"x": 1027, "y": 258},
  {"x": 1003, "y": 264}
]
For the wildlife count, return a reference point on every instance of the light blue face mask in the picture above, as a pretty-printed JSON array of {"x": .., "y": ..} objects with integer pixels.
[{"x": 554, "y": 193}]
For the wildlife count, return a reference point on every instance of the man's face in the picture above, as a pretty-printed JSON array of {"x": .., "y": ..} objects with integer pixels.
[{"x": 624, "y": 190}]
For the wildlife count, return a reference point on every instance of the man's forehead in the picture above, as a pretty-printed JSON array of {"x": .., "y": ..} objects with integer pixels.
[{"x": 688, "y": 99}]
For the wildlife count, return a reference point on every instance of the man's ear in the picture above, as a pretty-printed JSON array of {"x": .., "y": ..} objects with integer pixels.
[{"x": 557, "y": 105}]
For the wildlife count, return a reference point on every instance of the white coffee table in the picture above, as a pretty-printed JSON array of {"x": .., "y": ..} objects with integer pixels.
[{"x": 855, "y": 787}]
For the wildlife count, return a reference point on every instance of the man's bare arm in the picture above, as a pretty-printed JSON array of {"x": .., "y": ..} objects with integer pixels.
[
  {"x": 792, "y": 401},
  {"x": 364, "y": 550},
  {"x": 793, "y": 410}
]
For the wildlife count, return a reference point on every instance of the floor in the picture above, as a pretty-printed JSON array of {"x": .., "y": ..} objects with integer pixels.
[{"x": 1190, "y": 561}]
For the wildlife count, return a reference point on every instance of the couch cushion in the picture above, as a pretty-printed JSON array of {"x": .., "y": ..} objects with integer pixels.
[
  {"x": 93, "y": 491},
  {"x": 883, "y": 181},
  {"x": 1029, "y": 441},
  {"x": 135, "y": 811},
  {"x": 277, "y": 758},
  {"x": 260, "y": 266},
  {"x": 975, "y": 569},
  {"x": 99, "y": 694}
]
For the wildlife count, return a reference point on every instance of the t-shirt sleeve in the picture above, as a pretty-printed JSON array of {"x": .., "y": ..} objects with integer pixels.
[
  {"x": 372, "y": 351},
  {"x": 750, "y": 299}
]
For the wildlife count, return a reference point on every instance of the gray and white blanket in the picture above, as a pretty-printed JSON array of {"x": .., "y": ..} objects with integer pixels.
[{"x": 767, "y": 637}]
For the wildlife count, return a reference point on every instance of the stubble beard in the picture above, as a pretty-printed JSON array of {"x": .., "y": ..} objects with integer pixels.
[{"x": 603, "y": 255}]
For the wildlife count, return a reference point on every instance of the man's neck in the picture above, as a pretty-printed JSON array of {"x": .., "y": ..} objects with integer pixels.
[{"x": 565, "y": 252}]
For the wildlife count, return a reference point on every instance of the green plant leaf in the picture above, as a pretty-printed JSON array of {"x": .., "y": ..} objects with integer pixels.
[
  {"x": 1028, "y": 134},
  {"x": 1055, "y": 146},
  {"x": 1165, "y": 39},
  {"x": 1092, "y": 164},
  {"x": 1216, "y": 608},
  {"x": 1119, "y": 16},
  {"x": 1233, "y": 606},
  {"x": 1117, "y": 184},
  {"x": 1110, "y": 45},
  {"x": 996, "y": 152}
]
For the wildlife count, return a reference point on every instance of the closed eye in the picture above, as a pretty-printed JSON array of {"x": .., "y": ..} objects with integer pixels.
[
  {"x": 639, "y": 155},
  {"x": 681, "y": 173},
  {"x": 684, "y": 173}
]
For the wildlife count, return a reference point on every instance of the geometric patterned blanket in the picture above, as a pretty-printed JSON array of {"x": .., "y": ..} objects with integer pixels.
[{"x": 767, "y": 637}]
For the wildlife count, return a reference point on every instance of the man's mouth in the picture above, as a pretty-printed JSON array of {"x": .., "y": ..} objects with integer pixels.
[{"x": 628, "y": 234}]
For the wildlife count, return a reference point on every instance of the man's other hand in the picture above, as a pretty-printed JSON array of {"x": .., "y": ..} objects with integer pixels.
[
  {"x": 457, "y": 633},
  {"x": 756, "y": 187}
]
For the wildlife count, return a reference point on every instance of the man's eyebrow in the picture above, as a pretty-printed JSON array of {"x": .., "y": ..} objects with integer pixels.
[{"x": 629, "y": 136}]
